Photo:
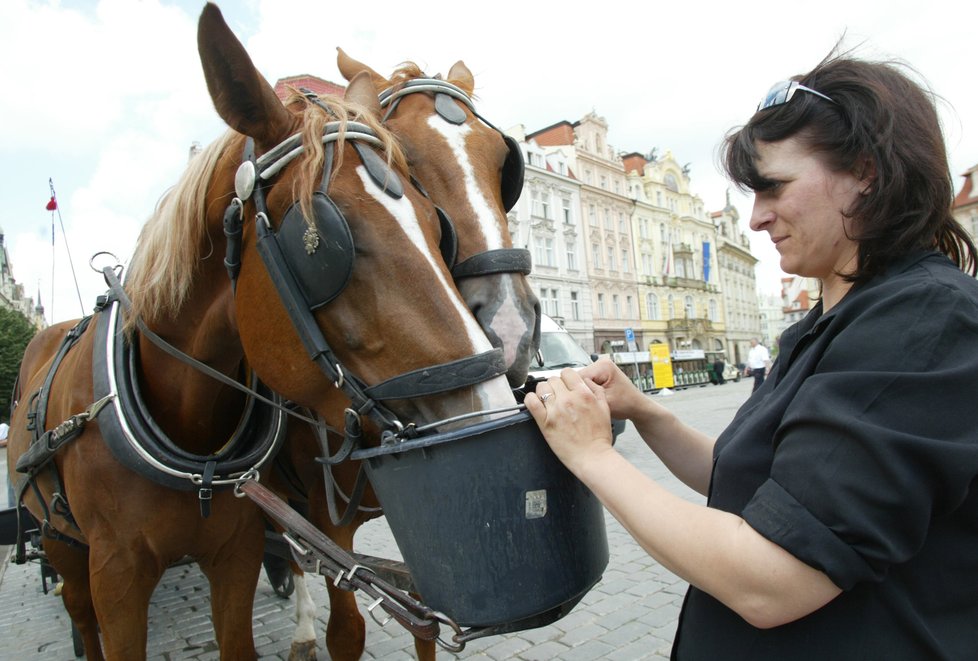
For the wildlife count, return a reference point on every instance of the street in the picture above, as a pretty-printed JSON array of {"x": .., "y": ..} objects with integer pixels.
[{"x": 630, "y": 614}]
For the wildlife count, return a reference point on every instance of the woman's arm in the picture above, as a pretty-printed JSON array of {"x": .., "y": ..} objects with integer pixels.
[{"x": 714, "y": 550}]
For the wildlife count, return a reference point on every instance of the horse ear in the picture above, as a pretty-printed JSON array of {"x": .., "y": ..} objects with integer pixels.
[
  {"x": 349, "y": 68},
  {"x": 241, "y": 95},
  {"x": 462, "y": 77},
  {"x": 362, "y": 92}
]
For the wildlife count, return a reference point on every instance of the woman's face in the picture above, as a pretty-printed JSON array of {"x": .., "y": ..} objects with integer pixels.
[{"x": 802, "y": 211}]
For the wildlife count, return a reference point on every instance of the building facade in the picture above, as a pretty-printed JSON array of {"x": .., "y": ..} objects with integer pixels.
[
  {"x": 547, "y": 222},
  {"x": 965, "y": 207},
  {"x": 12, "y": 293},
  {"x": 737, "y": 282},
  {"x": 605, "y": 210}
]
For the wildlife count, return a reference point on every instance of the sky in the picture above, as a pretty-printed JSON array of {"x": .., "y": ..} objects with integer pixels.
[{"x": 104, "y": 99}]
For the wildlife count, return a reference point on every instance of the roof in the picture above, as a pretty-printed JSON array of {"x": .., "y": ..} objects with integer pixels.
[
  {"x": 968, "y": 195},
  {"x": 320, "y": 86}
]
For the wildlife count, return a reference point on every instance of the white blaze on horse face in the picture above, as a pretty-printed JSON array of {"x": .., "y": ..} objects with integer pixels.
[
  {"x": 455, "y": 135},
  {"x": 403, "y": 213},
  {"x": 507, "y": 322},
  {"x": 494, "y": 393}
]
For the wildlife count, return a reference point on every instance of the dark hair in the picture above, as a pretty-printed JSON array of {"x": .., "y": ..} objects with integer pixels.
[{"x": 881, "y": 120}]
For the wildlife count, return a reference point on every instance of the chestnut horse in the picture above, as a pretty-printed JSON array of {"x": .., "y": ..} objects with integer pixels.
[
  {"x": 347, "y": 329},
  {"x": 474, "y": 173}
]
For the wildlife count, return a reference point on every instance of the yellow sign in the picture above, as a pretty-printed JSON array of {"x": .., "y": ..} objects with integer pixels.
[{"x": 661, "y": 365}]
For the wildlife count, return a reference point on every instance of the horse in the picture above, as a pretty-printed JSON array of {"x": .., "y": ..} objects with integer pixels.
[
  {"x": 449, "y": 144},
  {"x": 453, "y": 148},
  {"x": 301, "y": 305}
]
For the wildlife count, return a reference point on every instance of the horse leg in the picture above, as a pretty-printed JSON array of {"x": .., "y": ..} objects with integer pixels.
[
  {"x": 233, "y": 576},
  {"x": 122, "y": 583},
  {"x": 346, "y": 632},
  {"x": 71, "y": 564},
  {"x": 425, "y": 649},
  {"x": 304, "y": 638}
]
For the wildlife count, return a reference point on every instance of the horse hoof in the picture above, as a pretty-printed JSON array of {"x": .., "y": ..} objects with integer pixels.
[{"x": 303, "y": 651}]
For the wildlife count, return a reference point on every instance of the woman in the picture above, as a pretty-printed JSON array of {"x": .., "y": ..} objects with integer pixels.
[{"x": 842, "y": 512}]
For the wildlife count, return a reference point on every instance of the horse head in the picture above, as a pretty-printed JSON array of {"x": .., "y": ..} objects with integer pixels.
[
  {"x": 474, "y": 172},
  {"x": 341, "y": 294}
]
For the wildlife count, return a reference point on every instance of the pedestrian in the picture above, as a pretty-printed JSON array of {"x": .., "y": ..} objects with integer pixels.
[
  {"x": 718, "y": 367},
  {"x": 842, "y": 514},
  {"x": 4, "y": 429},
  {"x": 758, "y": 361}
]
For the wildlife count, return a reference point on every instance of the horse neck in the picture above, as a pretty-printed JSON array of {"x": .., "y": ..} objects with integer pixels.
[{"x": 195, "y": 410}]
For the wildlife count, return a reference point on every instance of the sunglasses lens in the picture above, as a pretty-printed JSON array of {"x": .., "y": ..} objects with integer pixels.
[{"x": 778, "y": 94}]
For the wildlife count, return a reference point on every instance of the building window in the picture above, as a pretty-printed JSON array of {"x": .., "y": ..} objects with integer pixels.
[
  {"x": 601, "y": 305},
  {"x": 621, "y": 222},
  {"x": 671, "y": 311},
  {"x": 713, "y": 310},
  {"x": 575, "y": 306},
  {"x": 592, "y": 215},
  {"x": 690, "y": 312},
  {"x": 565, "y": 204},
  {"x": 624, "y": 261},
  {"x": 616, "y": 306},
  {"x": 571, "y": 249},
  {"x": 648, "y": 264},
  {"x": 652, "y": 306},
  {"x": 596, "y": 255},
  {"x": 628, "y": 307},
  {"x": 550, "y": 301},
  {"x": 604, "y": 182},
  {"x": 544, "y": 250},
  {"x": 607, "y": 219},
  {"x": 537, "y": 204},
  {"x": 611, "y": 258}
]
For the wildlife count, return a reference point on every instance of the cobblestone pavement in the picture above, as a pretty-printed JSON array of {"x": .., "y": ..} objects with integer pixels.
[{"x": 630, "y": 614}]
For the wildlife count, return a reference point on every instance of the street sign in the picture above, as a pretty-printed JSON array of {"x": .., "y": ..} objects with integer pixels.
[{"x": 630, "y": 339}]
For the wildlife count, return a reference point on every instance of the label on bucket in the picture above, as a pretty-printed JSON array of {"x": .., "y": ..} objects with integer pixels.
[{"x": 536, "y": 504}]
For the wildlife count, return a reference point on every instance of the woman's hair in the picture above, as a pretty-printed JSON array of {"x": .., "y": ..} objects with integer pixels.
[{"x": 882, "y": 124}]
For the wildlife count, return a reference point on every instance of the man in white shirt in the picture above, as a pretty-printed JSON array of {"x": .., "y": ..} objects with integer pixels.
[{"x": 758, "y": 360}]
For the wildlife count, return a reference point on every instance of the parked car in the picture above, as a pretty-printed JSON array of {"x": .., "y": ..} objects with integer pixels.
[{"x": 558, "y": 350}]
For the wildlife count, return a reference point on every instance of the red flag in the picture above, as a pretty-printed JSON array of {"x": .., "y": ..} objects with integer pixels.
[{"x": 52, "y": 205}]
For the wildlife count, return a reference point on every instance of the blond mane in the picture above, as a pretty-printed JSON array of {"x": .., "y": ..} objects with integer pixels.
[{"x": 174, "y": 239}]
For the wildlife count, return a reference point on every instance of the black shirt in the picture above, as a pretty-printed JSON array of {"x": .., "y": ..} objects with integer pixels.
[{"x": 859, "y": 456}]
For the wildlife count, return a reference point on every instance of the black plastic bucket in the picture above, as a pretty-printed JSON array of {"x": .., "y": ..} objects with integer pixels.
[{"x": 492, "y": 527}]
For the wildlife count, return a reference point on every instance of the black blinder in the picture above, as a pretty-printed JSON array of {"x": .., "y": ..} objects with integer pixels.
[
  {"x": 513, "y": 172},
  {"x": 319, "y": 255},
  {"x": 449, "y": 239}
]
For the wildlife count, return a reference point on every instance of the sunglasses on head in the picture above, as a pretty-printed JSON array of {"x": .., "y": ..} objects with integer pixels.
[{"x": 780, "y": 93}]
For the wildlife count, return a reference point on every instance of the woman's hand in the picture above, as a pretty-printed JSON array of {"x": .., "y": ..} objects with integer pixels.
[
  {"x": 625, "y": 401},
  {"x": 573, "y": 414}
]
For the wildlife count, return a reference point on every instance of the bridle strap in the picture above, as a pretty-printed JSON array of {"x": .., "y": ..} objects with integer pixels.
[{"x": 501, "y": 260}]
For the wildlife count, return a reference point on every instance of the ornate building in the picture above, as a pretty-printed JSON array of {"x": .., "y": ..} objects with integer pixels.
[
  {"x": 12, "y": 293},
  {"x": 675, "y": 239},
  {"x": 737, "y": 282},
  {"x": 606, "y": 212},
  {"x": 547, "y": 222},
  {"x": 966, "y": 203}
]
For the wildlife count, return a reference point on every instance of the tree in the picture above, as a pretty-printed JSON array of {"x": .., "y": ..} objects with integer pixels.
[{"x": 15, "y": 333}]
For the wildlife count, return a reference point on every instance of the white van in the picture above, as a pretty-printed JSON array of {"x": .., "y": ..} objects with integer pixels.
[{"x": 558, "y": 350}]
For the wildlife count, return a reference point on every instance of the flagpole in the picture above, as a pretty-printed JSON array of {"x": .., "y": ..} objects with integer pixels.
[{"x": 53, "y": 206}]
